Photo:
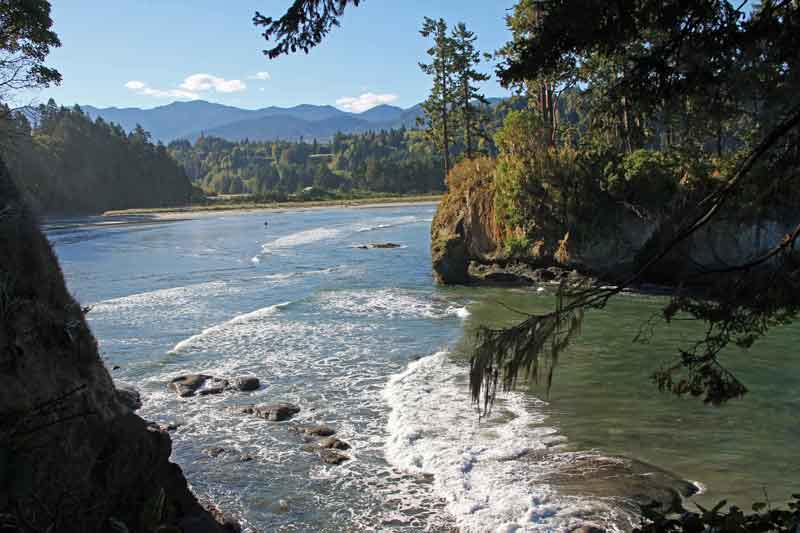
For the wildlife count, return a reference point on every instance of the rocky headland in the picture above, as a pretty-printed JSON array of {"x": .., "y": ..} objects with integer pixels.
[
  {"x": 472, "y": 244},
  {"x": 74, "y": 456}
]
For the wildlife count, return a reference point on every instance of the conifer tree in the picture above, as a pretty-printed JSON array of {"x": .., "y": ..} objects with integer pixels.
[
  {"x": 468, "y": 95},
  {"x": 437, "y": 119}
]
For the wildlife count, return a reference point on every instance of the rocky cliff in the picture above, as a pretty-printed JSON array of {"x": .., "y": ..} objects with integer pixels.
[
  {"x": 470, "y": 244},
  {"x": 73, "y": 454}
]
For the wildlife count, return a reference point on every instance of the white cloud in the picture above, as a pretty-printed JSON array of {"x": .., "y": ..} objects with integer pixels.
[
  {"x": 207, "y": 82},
  {"x": 359, "y": 104},
  {"x": 261, "y": 76},
  {"x": 191, "y": 87}
]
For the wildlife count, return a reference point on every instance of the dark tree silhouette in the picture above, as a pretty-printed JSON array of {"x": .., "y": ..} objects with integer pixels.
[{"x": 303, "y": 26}]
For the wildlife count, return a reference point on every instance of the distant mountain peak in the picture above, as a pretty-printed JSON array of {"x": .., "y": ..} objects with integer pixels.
[{"x": 186, "y": 119}]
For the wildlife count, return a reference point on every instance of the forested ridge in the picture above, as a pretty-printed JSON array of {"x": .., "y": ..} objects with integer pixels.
[
  {"x": 394, "y": 161},
  {"x": 65, "y": 163}
]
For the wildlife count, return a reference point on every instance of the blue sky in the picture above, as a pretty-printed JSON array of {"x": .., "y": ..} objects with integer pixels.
[{"x": 145, "y": 53}]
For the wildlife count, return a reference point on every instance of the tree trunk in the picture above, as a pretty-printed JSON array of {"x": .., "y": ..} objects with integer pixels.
[{"x": 467, "y": 119}]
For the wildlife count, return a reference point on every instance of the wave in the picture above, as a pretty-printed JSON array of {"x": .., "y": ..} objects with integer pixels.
[
  {"x": 301, "y": 238},
  {"x": 240, "y": 319},
  {"x": 390, "y": 223},
  {"x": 389, "y": 303},
  {"x": 481, "y": 467}
]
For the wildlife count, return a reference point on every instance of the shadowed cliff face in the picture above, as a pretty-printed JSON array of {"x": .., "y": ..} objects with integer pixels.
[{"x": 72, "y": 457}]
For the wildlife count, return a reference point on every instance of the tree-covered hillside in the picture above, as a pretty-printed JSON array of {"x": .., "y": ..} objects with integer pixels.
[
  {"x": 67, "y": 163},
  {"x": 394, "y": 161}
]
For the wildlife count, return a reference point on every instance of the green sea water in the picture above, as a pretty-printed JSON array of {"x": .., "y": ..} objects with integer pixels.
[{"x": 602, "y": 397}]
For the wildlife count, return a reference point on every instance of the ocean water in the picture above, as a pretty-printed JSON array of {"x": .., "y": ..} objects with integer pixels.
[{"x": 362, "y": 340}]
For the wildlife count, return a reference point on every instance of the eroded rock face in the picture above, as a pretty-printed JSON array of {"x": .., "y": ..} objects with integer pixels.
[
  {"x": 129, "y": 396},
  {"x": 463, "y": 229},
  {"x": 74, "y": 455},
  {"x": 450, "y": 259}
]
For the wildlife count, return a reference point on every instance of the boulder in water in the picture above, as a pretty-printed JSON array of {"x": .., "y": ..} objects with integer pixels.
[
  {"x": 332, "y": 457},
  {"x": 315, "y": 431},
  {"x": 214, "y": 451},
  {"x": 275, "y": 412},
  {"x": 332, "y": 443},
  {"x": 378, "y": 245},
  {"x": 247, "y": 383},
  {"x": 187, "y": 385},
  {"x": 213, "y": 386}
]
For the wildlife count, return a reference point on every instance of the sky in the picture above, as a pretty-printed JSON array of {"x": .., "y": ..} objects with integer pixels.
[{"x": 146, "y": 53}]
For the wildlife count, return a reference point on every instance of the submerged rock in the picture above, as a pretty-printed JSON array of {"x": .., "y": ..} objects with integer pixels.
[
  {"x": 247, "y": 383},
  {"x": 275, "y": 412},
  {"x": 187, "y": 385},
  {"x": 497, "y": 275},
  {"x": 201, "y": 384},
  {"x": 315, "y": 431},
  {"x": 169, "y": 426},
  {"x": 378, "y": 245},
  {"x": 588, "y": 529},
  {"x": 328, "y": 443},
  {"x": 632, "y": 480},
  {"x": 332, "y": 457},
  {"x": 213, "y": 386},
  {"x": 333, "y": 443},
  {"x": 214, "y": 451}
]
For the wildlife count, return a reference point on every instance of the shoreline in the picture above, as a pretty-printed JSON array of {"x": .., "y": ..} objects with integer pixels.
[{"x": 186, "y": 213}]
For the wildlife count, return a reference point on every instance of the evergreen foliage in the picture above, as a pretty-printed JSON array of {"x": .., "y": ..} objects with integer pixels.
[
  {"x": 395, "y": 161},
  {"x": 66, "y": 163},
  {"x": 438, "y": 118}
]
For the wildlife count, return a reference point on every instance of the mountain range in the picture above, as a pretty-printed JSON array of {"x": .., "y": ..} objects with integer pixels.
[{"x": 190, "y": 120}]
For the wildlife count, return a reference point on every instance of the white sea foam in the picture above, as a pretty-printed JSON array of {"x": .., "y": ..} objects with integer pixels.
[
  {"x": 461, "y": 312},
  {"x": 153, "y": 298},
  {"x": 256, "y": 315},
  {"x": 301, "y": 238},
  {"x": 388, "y": 223},
  {"x": 479, "y": 467},
  {"x": 389, "y": 303},
  {"x": 701, "y": 488}
]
